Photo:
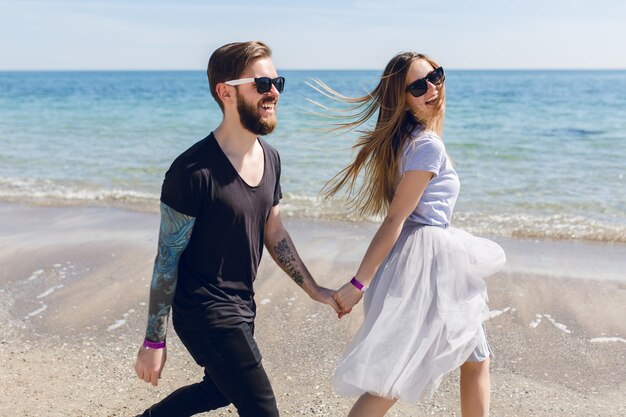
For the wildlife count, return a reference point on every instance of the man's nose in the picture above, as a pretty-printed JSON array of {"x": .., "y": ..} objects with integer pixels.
[{"x": 274, "y": 91}]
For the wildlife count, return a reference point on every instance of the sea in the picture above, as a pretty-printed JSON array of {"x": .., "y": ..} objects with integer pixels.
[{"x": 540, "y": 154}]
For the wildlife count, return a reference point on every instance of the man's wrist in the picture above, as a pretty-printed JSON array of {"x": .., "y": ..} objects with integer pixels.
[
  {"x": 311, "y": 288},
  {"x": 149, "y": 344}
]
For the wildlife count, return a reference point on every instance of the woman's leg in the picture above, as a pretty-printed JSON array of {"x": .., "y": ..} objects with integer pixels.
[
  {"x": 475, "y": 395},
  {"x": 369, "y": 405}
]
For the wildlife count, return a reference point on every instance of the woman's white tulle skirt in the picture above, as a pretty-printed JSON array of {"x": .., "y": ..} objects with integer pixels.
[{"x": 423, "y": 314}]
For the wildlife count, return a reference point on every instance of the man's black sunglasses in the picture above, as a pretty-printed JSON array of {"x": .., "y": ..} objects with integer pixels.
[
  {"x": 419, "y": 87},
  {"x": 263, "y": 84}
]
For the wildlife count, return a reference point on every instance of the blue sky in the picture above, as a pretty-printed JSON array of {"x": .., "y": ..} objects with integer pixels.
[{"x": 314, "y": 34}]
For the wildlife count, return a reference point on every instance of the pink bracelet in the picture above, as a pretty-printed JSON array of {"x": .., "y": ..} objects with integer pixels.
[
  {"x": 153, "y": 345},
  {"x": 358, "y": 284}
]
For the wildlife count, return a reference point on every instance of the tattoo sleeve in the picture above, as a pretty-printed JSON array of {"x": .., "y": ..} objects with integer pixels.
[
  {"x": 287, "y": 258},
  {"x": 174, "y": 235}
]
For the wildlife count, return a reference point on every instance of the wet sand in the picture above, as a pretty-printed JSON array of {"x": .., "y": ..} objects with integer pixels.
[{"x": 74, "y": 288}]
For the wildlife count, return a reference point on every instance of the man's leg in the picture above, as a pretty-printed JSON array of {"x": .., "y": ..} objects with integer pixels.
[
  {"x": 234, "y": 364},
  {"x": 233, "y": 374},
  {"x": 195, "y": 398},
  {"x": 189, "y": 400}
]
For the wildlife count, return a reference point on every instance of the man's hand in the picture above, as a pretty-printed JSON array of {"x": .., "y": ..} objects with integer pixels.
[
  {"x": 347, "y": 297},
  {"x": 150, "y": 363},
  {"x": 326, "y": 296}
]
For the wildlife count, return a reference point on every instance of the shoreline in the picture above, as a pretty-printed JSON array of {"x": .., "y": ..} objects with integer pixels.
[
  {"x": 74, "y": 291},
  {"x": 573, "y": 258},
  {"x": 570, "y": 227}
]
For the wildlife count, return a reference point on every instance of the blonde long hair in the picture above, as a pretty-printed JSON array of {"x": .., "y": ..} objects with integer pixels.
[{"x": 379, "y": 150}]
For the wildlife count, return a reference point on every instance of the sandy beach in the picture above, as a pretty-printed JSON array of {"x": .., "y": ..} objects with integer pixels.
[{"x": 74, "y": 288}]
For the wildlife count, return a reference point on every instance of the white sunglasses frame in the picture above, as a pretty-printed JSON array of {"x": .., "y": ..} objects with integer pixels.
[
  {"x": 252, "y": 80},
  {"x": 239, "y": 81}
]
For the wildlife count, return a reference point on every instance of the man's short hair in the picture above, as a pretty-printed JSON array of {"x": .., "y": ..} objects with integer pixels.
[{"x": 230, "y": 61}]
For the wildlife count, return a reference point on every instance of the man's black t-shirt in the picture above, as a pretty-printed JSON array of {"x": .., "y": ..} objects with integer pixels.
[{"x": 219, "y": 265}]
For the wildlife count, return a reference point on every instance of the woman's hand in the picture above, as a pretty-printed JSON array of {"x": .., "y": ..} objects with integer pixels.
[{"x": 347, "y": 297}]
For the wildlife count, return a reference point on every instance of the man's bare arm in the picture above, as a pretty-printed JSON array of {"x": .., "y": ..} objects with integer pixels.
[{"x": 283, "y": 251}]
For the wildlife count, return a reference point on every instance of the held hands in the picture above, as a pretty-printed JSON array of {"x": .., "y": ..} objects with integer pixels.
[
  {"x": 326, "y": 296},
  {"x": 347, "y": 297},
  {"x": 150, "y": 363}
]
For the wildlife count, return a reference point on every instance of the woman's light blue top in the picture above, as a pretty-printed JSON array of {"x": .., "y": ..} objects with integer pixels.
[{"x": 425, "y": 151}]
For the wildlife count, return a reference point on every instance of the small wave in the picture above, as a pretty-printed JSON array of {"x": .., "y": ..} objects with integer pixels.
[
  {"x": 574, "y": 132},
  {"x": 36, "y": 274},
  {"x": 37, "y": 312},
  {"x": 118, "y": 323},
  {"x": 319, "y": 208},
  {"x": 121, "y": 322},
  {"x": 496, "y": 313},
  {"x": 520, "y": 225},
  {"x": 536, "y": 322},
  {"x": 560, "y": 326},
  {"x": 49, "y": 291},
  {"x": 607, "y": 339},
  {"x": 560, "y": 227},
  {"x": 47, "y": 192}
]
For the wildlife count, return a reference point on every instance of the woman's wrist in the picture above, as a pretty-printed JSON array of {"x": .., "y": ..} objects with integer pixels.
[{"x": 358, "y": 284}]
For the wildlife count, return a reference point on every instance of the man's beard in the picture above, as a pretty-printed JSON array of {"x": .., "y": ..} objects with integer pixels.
[{"x": 250, "y": 119}]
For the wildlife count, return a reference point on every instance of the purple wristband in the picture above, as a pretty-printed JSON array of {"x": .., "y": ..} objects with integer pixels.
[
  {"x": 153, "y": 345},
  {"x": 358, "y": 284}
]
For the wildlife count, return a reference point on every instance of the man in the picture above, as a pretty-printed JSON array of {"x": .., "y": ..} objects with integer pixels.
[{"x": 219, "y": 205}]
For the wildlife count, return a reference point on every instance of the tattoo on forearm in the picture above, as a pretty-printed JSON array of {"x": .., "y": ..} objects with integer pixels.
[
  {"x": 288, "y": 261},
  {"x": 174, "y": 235}
]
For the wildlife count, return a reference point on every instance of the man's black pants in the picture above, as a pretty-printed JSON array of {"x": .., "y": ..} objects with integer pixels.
[{"x": 233, "y": 373}]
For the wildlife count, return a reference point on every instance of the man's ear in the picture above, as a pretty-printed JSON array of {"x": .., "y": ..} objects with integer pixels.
[{"x": 225, "y": 93}]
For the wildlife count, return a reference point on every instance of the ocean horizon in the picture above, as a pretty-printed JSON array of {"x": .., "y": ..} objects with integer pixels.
[
  {"x": 540, "y": 153},
  {"x": 70, "y": 70}
]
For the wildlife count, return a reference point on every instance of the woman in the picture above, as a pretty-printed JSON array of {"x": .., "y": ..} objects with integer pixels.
[{"x": 425, "y": 297}]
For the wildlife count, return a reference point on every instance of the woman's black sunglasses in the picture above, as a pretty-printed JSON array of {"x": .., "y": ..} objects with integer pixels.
[
  {"x": 263, "y": 84},
  {"x": 419, "y": 87}
]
